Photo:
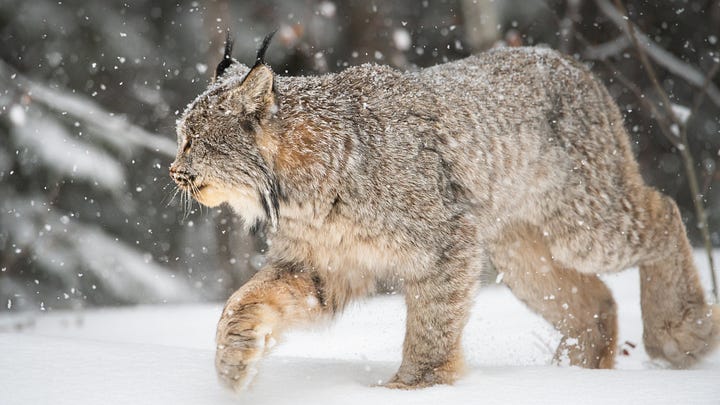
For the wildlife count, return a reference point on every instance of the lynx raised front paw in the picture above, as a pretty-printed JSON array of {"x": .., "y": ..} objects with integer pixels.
[
  {"x": 242, "y": 339},
  {"x": 684, "y": 341}
]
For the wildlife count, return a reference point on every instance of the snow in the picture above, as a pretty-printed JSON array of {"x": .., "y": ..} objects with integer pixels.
[
  {"x": 401, "y": 39},
  {"x": 327, "y": 9},
  {"x": 681, "y": 112},
  {"x": 164, "y": 354}
]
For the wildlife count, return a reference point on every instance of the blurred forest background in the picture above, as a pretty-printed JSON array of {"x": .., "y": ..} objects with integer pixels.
[{"x": 90, "y": 91}]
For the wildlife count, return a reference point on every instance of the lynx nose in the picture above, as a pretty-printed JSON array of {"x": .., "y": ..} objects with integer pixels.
[{"x": 181, "y": 177}]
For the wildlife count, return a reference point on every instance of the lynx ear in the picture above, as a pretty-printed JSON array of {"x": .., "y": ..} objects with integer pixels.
[
  {"x": 256, "y": 94},
  {"x": 227, "y": 59},
  {"x": 259, "y": 97}
]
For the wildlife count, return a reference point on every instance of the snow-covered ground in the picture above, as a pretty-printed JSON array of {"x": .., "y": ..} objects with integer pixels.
[{"x": 164, "y": 355}]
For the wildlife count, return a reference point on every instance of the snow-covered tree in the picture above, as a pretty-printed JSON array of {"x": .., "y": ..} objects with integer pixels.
[{"x": 89, "y": 92}]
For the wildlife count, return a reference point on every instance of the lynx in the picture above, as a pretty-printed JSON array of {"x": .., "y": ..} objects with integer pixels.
[{"x": 516, "y": 157}]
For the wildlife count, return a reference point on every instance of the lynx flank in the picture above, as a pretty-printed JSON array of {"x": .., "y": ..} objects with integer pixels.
[{"x": 516, "y": 157}]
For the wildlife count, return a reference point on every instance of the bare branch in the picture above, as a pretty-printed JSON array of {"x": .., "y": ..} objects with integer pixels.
[
  {"x": 567, "y": 25},
  {"x": 700, "y": 96},
  {"x": 666, "y": 103},
  {"x": 689, "y": 161},
  {"x": 663, "y": 58},
  {"x": 682, "y": 146},
  {"x": 662, "y": 119}
]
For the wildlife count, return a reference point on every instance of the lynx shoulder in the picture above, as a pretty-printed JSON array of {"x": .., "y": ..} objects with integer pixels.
[{"x": 515, "y": 156}]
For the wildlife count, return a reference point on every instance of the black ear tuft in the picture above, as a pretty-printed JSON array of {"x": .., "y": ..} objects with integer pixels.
[
  {"x": 260, "y": 59},
  {"x": 227, "y": 57}
]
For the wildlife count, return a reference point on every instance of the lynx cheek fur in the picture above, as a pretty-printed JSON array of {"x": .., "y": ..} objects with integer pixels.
[{"x": 515, "y": 156}]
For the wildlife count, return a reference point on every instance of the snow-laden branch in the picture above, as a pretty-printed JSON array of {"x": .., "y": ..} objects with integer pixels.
[
  {"x": 662, "y": 57},
  {"x": 606, "y": 49},
  {"x": 113, "y": 129},
  {"x": 46, "y": 137},
  {"x": 64, "y": 246}
]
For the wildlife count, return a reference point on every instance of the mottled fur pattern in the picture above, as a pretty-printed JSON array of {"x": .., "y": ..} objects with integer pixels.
[{"x": 515, "y": 156}]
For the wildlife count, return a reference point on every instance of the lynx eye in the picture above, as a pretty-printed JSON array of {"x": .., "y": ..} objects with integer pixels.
[{"x": 188, "y": 144}]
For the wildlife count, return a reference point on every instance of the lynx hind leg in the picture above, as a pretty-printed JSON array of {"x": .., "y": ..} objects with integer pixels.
[
  {"x": 275, "y": 299},
  {"x": 678, "y": 325},
  {"x": 578, "y": 305}
]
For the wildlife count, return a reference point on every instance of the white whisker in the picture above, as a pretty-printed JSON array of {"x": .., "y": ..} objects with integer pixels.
[{"x": 170, "y": 197}]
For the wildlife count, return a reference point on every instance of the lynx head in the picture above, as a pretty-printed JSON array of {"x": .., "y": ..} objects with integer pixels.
[{"x": 218, "y": 159}]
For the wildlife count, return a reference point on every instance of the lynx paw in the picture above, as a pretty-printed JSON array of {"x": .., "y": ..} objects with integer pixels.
[
  {"x": 241, "y": 342},
  {"x": 685, "y": 341},
  {"x": 412, "y": 383},
  {"x": 420, "y": 378}
]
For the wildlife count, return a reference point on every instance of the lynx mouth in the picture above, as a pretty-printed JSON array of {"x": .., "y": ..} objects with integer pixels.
[
  {"x": 196, "y": 190},
  {"x": 191, "y": 187}
]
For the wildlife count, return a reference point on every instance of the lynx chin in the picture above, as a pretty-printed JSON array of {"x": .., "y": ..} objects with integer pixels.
[{"x": 515, "y": 157}]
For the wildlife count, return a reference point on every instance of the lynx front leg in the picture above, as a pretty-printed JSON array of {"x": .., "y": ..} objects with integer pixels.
[
  {"x": 276, "y": 298},
  {"x": 437, "y": 311}
]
